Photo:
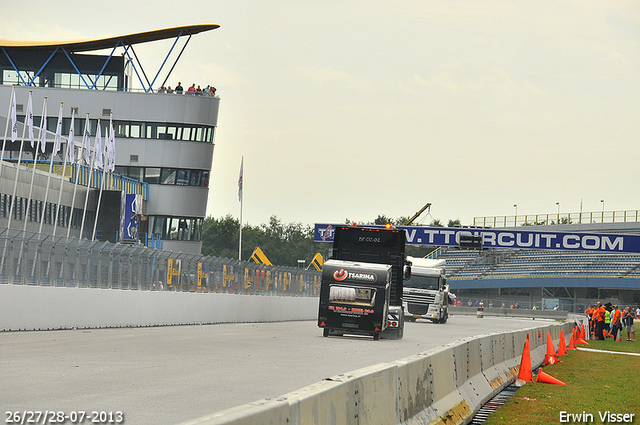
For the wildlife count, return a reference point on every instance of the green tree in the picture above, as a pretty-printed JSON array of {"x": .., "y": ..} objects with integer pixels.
[
  {"x": 382, "y": 220},
  {"x": 454, "y": 223},
  {"x": 220, "y": 237}
]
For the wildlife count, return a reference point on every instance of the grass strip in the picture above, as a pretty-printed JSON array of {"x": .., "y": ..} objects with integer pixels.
[{"x": 596, "y": 383}]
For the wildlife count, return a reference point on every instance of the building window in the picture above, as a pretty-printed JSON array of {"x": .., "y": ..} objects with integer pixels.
[
  {"x": 152, "y": 175},
  {"x": 176, "y": 228},
  {"x": 183, "y": 178},
  {"x": 168, "y": 176}
]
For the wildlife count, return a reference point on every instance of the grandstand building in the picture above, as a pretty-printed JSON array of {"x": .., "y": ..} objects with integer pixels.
[
  {"x": 164, "y": 141},
  {"x": 569, "y": 279}
]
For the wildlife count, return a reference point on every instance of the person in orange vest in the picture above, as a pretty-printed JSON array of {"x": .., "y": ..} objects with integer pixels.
[
  {"x": 589, "y": 313},
  {"x": 599, "y": 317},
  {"x": 616, "y": 322}
]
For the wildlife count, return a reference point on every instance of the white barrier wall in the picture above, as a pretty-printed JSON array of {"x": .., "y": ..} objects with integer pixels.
[
  {"x": 446, "y": 385},
  {"x": 25, "y": 307}
]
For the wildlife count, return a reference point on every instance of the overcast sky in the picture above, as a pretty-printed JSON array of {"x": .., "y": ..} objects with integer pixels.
[{"x": 350, "y": 109}]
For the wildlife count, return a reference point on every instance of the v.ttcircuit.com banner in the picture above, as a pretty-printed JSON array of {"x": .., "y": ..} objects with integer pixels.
[{"x": 507, "y": 238}]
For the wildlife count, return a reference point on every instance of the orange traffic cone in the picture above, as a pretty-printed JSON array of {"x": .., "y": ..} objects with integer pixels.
[
  {"x": 548, "y": 379},
  {"x": 581, "y": 341},
  {"x": 525, "y": 373},
  {"x": 618, "y": 337},
  {"x": 539, "y": 334},
  {"x": 583, "y": 334},
  {"x": 572, "y": 343},
  {"x": 551, "y": 357},
  {"x": 562, "y": 346}
]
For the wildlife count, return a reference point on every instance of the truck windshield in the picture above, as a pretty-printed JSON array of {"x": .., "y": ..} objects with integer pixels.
[{"x": 423, "y": 282}]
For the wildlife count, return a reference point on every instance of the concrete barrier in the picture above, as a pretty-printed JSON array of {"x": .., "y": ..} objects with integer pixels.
[
  {"x": 24, "y": 307},
  {"x": 446, "y": 385}
]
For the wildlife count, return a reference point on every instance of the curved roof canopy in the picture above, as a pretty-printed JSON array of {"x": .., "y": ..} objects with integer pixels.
[{"x": 107, "y": 43}]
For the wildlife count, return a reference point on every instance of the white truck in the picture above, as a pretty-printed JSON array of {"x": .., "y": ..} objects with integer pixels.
[{"x": 426, "y": 293}]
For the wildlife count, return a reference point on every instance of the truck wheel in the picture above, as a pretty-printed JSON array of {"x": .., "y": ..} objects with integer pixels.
[
  {"x": 444, "y": 319},
  {"x": 325, "y": 332},
  {"x": 376, "y": 336}
]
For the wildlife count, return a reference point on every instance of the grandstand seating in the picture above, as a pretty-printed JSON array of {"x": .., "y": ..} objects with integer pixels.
[{"x": 504, "y": 264}]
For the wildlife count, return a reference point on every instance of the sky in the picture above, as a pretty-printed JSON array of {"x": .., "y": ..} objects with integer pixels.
[{"x": 346, "y": 110}]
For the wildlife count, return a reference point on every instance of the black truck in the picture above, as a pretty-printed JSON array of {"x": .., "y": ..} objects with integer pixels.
[{"x": 362, "y": 283}]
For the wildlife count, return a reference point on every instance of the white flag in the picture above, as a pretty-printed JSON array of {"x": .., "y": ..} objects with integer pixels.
[
  {"x": 240, "y": 181},
  {"x": 87, "y": 142},
  {"x": 58, "y": 141},
  {"x": 112, "y": 147},
  {"x": 98, "y": 147},
  {"x": 43, "y": 128},
  {"x": 30, "y": 121},
  {"x": 72, "y": 140},
  {"x": 14, "y": 119}
]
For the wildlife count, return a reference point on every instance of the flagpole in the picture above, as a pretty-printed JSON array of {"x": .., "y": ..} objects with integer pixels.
[
  {"x": 53, "y": 153},
  {"x": 10, "y": 115},
  {"x": 14, "y": 133},
  {"x": 87, "y": 144},
  {"x": 240, "y": 195},
  {"x": 65, "y": 157},
  {"x": 43, "y": 118},
  {"x": 75, "y": 187},
  {"x": 101, "y": 165},
  {"x": 15, "y": 183}
]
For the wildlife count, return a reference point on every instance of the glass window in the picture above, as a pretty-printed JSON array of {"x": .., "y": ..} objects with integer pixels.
[
  {"x": 152, "y": 175},
  {"x": 204, "y": 179},
  {"x": 186, "y": 132},
  {"x": 162, "y": 132},
  {"x": 121, "y": 129},
  {"x": 168, "y": 176},
  {"x": 172, "y": 228},
  {"x": 123, "y": 171},
  {"x": 135, "y": 130},
  {"x": 183, "y": 177},
  {"x": 172, "y": 132},
  {"x": 136, "y": 173},
  {"x": 195, "y": 178}
]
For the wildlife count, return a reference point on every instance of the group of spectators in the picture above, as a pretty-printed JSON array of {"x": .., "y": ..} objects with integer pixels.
[
  {"x": 193, "y": 90},
  {"x": 607, "y": 320}
]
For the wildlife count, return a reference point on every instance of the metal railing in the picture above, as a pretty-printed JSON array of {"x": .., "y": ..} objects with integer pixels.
[
  {"x": 629, "y": 216},
  {"x": 43, "y": 260}
]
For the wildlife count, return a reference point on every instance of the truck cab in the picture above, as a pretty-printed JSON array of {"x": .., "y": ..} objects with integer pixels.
[{"x": 426, "y": 293}]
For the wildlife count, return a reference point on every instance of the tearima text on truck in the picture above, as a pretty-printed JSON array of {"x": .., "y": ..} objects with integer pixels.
[
  {"x": 426, "y": 293},
  {"x": 361, "y": 287}
]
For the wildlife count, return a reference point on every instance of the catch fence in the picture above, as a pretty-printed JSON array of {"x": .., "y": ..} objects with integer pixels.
[{"x": 43, "y": 260}]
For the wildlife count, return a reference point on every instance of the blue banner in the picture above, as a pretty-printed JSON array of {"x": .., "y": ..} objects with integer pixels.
[
  {"x": 132, "y": 211},
  {"x": 507, "y": 238}
]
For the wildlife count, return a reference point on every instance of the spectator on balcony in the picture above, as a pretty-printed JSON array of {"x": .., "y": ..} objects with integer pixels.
[
  {"x": 161, "y": 89},
  {"x": 169, "y": 90},
  {"x": 192, "y": 89},
  {"x": 199, "y": 91},
  {"x": 179, "y": 88},
  {"x": 212, "y": 91}
]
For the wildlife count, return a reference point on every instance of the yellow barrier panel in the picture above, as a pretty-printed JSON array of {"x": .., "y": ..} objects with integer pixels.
[
  {"x": 259, "y": 258},
  {"x": 317, "y": 261}
]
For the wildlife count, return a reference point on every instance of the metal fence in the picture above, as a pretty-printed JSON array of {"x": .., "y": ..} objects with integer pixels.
[
  {"x": 629, "y": 216},
  {"x": 43, "y": 260}
]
